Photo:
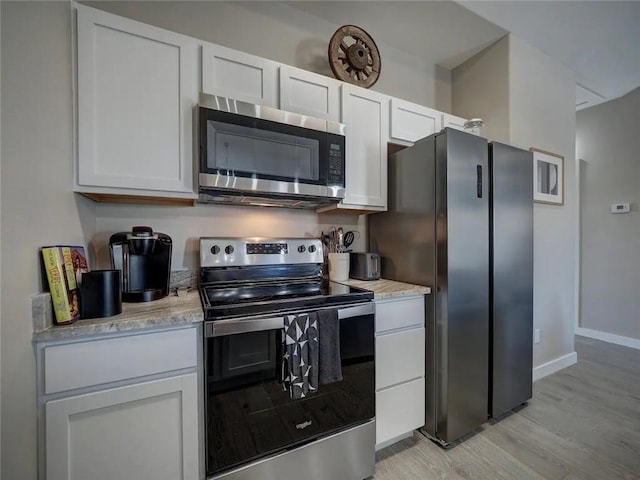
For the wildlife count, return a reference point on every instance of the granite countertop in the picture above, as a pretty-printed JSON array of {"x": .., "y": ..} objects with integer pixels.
[
  {"x": 388, "y": 288},
  {"x": 170, "y": 311},
  {"x": 167, "y": 312}
]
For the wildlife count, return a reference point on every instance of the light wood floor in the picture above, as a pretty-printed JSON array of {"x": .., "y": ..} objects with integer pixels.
[{"x": 582, "y": 423}]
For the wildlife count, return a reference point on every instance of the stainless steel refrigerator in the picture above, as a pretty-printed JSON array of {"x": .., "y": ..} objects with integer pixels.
[{"x": 460, "y": 220}]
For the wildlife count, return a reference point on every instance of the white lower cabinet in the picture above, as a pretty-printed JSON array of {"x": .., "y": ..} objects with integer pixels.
[
  {"x": 400, "y": 368},
  {"x": 127, "y": 408},
  {"x": 141, "y": 431}
]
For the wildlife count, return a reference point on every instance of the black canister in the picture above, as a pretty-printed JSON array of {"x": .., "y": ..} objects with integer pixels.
[{"x": 100, "y": 294}]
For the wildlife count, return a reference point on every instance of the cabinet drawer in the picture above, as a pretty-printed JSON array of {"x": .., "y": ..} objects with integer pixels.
[
  {"x": 396, "y": 314},
  {"x": 83, "y": 364},
  {"x": 399, "y": 357},
  {"x": 399, "y": 410}
]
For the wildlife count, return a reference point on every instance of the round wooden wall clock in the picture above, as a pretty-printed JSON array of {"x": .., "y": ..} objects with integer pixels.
[{"x": 354, "y": 56}]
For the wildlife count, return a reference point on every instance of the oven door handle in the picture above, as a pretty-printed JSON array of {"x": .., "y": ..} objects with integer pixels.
[{"x": 246, "y": 325}]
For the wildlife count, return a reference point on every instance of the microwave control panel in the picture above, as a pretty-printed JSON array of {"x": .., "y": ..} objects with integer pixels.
[{"x": 336, "y": 164}]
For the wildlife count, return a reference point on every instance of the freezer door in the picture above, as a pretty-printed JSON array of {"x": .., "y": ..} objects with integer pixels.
[
  {"x": 462, "y": 296},
  {"x": 512, "y": 278}
]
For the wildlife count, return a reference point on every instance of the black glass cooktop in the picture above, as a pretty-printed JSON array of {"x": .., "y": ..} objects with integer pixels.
[{"x": 227, "y": 301}]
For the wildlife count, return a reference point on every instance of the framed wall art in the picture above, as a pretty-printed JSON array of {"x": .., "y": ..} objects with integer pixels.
[{"x": 548, "y": 177}]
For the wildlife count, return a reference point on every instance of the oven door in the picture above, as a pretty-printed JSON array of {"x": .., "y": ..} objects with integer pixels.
[
  {"x": 260, "y": 155},
  {"x": 249, "y": 414}
]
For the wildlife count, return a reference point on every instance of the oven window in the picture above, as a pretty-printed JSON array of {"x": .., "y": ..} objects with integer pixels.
[
  {"x": 240, "y": 148},
  {"x": 250, "y": 415}
]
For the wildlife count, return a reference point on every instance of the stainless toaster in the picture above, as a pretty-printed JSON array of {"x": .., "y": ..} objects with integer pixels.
[{"x": 365, "y": 266}]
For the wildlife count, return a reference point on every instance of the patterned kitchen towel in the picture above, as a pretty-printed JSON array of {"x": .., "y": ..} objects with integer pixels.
[
  {"x": 300, "y": 354},
  {"x": 330, "y": 360}
]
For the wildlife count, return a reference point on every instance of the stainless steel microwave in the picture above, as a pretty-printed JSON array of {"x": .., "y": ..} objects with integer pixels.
[{"x": 256, "y": 155}]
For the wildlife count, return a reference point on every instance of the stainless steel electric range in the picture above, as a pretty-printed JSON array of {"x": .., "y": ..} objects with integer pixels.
[{"x": 254, "y": 428}]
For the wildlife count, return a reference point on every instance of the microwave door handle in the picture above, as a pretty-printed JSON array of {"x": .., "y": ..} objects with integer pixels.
[{"x": 246, "y": 325}]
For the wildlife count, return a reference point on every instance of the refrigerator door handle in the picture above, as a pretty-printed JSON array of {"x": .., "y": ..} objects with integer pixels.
[{"x": 479, "y": 180}]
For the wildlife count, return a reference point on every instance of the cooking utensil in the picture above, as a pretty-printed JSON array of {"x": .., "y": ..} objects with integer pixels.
[
  {"x": 340, "y": 241},
  {"x": 349, "y": 237}
]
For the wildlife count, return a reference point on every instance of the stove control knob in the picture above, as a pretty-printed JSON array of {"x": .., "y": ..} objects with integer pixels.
[
  {"x": 302, "y": 248},
  {"x": 215, "y": 249},
  {"x": 312, "y": 248},
  {"x": 228, "y": 250}
]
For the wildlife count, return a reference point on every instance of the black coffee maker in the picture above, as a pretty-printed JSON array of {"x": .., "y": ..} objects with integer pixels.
[{"x": 144, "y": 260}]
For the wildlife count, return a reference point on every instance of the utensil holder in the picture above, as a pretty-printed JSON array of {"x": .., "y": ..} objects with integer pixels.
[
  {"x": 100, "y": 294},
  {"x": 338, "y": 266}
]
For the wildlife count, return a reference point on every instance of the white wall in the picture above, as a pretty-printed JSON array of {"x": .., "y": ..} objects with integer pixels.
[
  {"x": 481, "y": 87},
  {"x": 542, "y": 115},
  {"x": 285, "y": 34},
  {"x": 535, "y": 108},
  {"x": 37, "y": 204},
  {"x": 607, "y": 141}
]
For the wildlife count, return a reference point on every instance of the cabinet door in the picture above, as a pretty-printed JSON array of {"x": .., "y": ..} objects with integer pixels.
[
  {"x": 309, "y": 94},
  {"x": 411, "y": 122},
  {"x": 143, "y": 431},
  {"x": 137, "y": 86},
  {"x": 366, "y": 115},
  {"x": 452, "y": 121},
  {"x": 239, "y": 76}
]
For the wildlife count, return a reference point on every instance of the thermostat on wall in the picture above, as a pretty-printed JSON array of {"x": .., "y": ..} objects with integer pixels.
[{"x": 619, "y": 208}]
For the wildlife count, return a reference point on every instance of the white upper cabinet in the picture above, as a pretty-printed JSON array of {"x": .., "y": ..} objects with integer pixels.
[
  {"x": 452, "y": 121},
  {"x": 309, "y": 93},
  {"x": 239, "y": 76},
  {"x": 137, "y": 95},
  {"x": 411, "y": 122},
  {"x": 137, "y": 86},
  {"x": 366, "y": 115}
]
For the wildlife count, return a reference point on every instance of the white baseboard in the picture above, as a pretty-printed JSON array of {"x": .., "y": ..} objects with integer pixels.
[
  {"x": 609, "y": 337},
  {"x": 554, "y": 365}
]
